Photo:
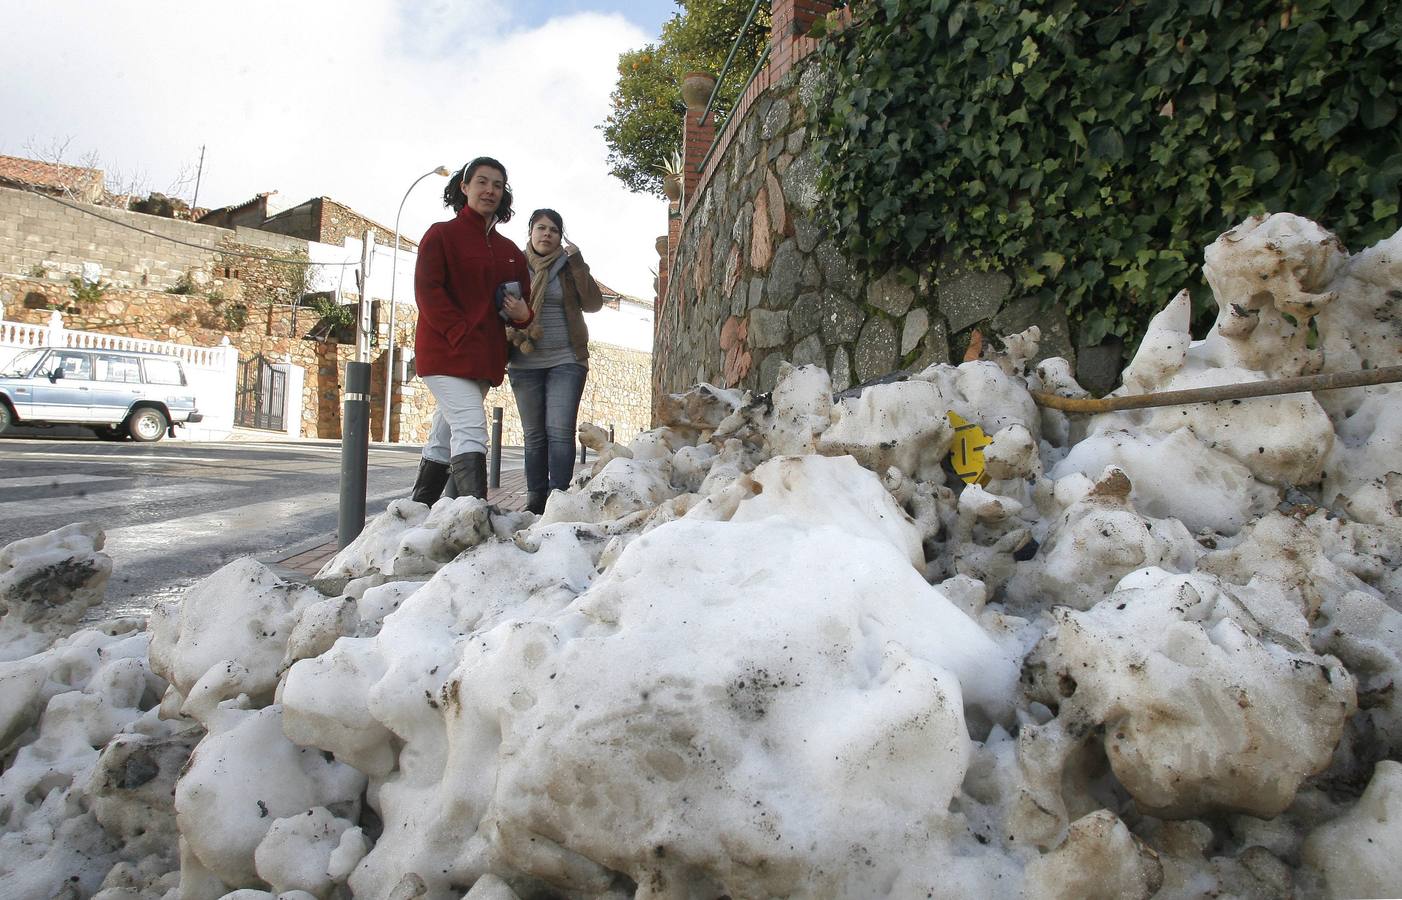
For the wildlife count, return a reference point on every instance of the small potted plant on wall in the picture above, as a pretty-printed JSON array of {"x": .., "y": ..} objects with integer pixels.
[{"x": 671, "y": 169}]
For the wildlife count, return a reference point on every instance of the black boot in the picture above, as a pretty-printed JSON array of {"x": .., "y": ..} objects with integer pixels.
[
  {"x": 428, "y": 487},
  {"x": 479, "y": 462},
  {"x": 469, "y": 472},
  {"x": 535, "y": 501}
]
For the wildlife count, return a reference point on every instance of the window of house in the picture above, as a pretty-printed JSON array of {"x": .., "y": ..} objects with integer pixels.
[
  {"x": 118, "y": 368},
  {"x": 163, "y": 371}
]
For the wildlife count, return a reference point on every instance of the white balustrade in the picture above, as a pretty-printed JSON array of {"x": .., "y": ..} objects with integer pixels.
[{"x": 212, "y": 371}]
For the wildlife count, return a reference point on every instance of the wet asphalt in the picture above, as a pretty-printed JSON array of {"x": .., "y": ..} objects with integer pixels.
[{"x": 175, "y": 511}]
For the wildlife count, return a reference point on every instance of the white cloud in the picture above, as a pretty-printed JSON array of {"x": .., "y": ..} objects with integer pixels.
[{"x": 352, "y": 100}]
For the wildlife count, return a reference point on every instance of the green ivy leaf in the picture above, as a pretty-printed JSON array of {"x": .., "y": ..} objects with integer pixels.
[
  {"x": 955, "y": 22},
  {"x": 1347, "y": 9},
  {"x": 1052, "y": 261},
  {"x": 1265, "y": 165},
  {"x": 1106, "y": 143},
  {"x": 1377, "y": 110},
  {"x": 1333, "y": 119},
  {"x": 1384, "y": 180}
]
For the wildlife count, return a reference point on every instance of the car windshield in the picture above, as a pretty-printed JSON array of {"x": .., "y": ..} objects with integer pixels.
[{"x": 21, "y": 364}]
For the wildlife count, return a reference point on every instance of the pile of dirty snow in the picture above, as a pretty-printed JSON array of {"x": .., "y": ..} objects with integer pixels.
[{"x": 775, "y": 648}]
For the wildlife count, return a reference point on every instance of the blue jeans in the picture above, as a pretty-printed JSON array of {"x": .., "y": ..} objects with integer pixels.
[{"x": 548, "y": 402}]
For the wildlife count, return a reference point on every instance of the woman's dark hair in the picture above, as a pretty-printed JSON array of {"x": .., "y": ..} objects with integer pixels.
[
  {"x": 547, "y": 214},
  {"x": 453, "y": 194}
]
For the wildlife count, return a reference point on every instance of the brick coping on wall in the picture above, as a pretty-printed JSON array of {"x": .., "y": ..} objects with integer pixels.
[{"x": 784, "y": 55}]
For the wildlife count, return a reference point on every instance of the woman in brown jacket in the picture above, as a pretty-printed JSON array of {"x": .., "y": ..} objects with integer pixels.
[{"x": 550, "y": 356}]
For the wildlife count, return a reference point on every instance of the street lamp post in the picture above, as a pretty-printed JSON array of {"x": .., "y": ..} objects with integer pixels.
[{"x": 393, "y": 277}]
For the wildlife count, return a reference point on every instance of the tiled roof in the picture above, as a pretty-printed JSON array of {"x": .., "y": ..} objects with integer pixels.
[
  {"x": 610, "y": 292},
  {"x": 237, "y": 206},
  {"x": 54, "y": 176}
]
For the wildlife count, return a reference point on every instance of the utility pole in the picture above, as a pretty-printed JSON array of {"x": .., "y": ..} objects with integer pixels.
[
  {"x": 199, "y": 173},
  {"x": 355, "y": 418}
]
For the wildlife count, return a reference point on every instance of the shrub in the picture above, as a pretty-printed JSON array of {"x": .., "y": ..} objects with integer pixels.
[
  {"x": 332, "y": 313},
  {"x": 84, "y": 292}
]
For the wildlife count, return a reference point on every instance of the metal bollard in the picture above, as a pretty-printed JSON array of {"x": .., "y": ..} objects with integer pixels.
[
  {"x": 610, "y": 434},
  {"x": 583, "y": 453},
  {"x": 355, "y": 452},
  {"x": 494, "y": 473}
]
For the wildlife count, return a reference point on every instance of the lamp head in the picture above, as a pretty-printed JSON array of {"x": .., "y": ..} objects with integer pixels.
[{"x": 443, "y": 170}]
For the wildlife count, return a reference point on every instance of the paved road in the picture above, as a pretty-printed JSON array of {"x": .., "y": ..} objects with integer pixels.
[{"x": 174, "y": 512}]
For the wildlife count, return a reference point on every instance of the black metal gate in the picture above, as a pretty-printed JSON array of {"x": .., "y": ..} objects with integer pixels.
[{"x": 262, "y": 395}]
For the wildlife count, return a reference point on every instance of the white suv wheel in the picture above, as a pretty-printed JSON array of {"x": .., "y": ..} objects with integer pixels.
[{"x": 147, "y": 424}]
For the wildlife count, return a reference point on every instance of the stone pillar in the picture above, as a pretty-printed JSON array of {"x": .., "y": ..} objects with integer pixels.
[
  {"x": 790, "y": 21},
  {"x": 664, "y": 255},
  {"x": 698, "y": 130},
  {"x": 669, "y": 252},
  {"x": 697, "y": 136}
]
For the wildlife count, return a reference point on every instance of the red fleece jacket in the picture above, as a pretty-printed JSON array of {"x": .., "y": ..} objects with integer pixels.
[{"x": 461, "y": 263}]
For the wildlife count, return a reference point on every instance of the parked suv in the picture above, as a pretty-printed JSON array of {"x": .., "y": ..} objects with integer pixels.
[{"x": 116, "y": 393}]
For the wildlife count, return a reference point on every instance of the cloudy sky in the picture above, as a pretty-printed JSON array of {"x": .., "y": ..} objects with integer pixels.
[{"x": 350, "y": 99}]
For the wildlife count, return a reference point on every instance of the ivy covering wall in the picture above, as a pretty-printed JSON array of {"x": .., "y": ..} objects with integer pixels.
[{"x": 1092, "y": 149}]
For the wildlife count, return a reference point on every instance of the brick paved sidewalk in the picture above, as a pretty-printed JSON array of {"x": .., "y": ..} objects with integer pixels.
[{"x": 511, "y": 495}]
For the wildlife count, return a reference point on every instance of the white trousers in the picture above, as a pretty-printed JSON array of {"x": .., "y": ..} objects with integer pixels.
[{"x": 460, "y": 419}]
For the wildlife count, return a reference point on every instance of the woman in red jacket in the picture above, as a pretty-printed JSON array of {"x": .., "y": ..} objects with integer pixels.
[{"x": 460, "y": 343}]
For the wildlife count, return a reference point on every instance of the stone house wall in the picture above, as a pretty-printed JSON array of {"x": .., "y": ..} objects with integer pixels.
[
  {"x": 250, "y": 300},
  {"x": 339, "y": 222},
  {"x": 615, "y": 395},
  {"x": 41, "y": 237},
  {"x": 274, "y": 330},
  {"x": 324, "y": 220},
  {"x": 754, "y": 279}
]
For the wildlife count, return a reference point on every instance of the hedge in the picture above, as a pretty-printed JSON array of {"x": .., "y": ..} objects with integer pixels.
[{"x": 1091, "y": 150}]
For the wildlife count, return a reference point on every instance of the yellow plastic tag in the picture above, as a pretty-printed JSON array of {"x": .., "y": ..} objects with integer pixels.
[{"x": 966, "y": 453}]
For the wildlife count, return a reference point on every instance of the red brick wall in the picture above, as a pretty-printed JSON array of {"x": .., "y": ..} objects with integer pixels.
[{"x": 791, "y": 20}]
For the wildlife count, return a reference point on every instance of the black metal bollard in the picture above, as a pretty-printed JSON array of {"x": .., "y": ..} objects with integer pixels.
[
  {"x": 355, "y": 452},
  {"x": 494, "y": 473}
]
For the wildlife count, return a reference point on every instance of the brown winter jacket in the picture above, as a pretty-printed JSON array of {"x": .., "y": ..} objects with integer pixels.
[{"x": 581, "y": 295}]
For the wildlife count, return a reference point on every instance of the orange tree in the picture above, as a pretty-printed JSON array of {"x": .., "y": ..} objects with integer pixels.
[{"x": 645, "y": 126}]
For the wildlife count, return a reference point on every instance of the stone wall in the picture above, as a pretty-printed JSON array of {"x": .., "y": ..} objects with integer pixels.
[
  {"x": 615, "y": 395},
  {"x": 39, "y": 235},
  {"x": 324, "y": 220},
  {"x": 161, "y": 290},
  {"x": 277, "y": 331},
  {"x": 618, "y": 390},
  {"x": 339, "y": 222},
  {"x": 755, "y": 280}
]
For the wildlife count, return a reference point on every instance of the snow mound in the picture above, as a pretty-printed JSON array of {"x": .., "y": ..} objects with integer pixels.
[{"x": 775, "y": 647}]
